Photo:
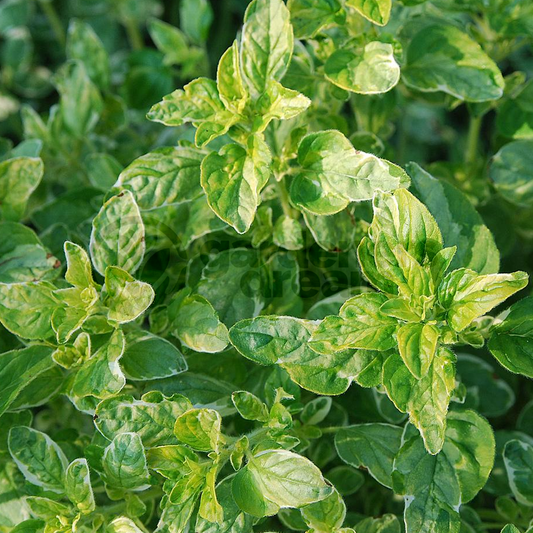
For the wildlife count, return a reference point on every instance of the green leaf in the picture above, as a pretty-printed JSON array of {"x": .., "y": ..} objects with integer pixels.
[
  {"x": 278, "y": 478},
  {"x": 440, "y": 57},
  {"x": 486, "y": 391},
  {"x": 360, "y": 324},
  {"x": 78, "y": 486},
  {"x": 84, "y": 45},
  {"x": 101, "y": 375},
  {"x": 26, "y": 309},
  {"x": 288, "y": 233},
  {"x": 426, "y": 400},
  {"x": 195, "y": 323},
  {"x": 326, "y": 515},
  {"x": 18, "y": 368},
  {"x": 125, "y": 297},
  {"x": 152, "y": 417},
  {"x": 417, "y": 344},
  {"x": 515, "y": 116},
  {"x": 285, "y": 341},
  {"x": 148, "y": 356},
  {"x": 19, "y": 177},
  {"x": 23, "y": 256},
  {"x": 124, "y": 463},
  {"x": 38, "y": 457},
  {"x": 170, "y": 40},
  {"x": 333, "y": 173},
  {"x": 267, "y": 43},
  {"x": 249, "y": 406},
  {"x": 511, "y": 340},
  {"x": 364, "y": 68},
  {"x": 310, "y": 16},
  {"x": 512, "y": 174},
  {"x": 232, "y": 180},
  {"x": 434, "y": 486},
  {"x": 518, "y": 460},
  {"x": 234, "y": 282},
  {"x": 80, "y": 102},
  {"x": 373, "y": 446},
  {"x": 334, "y": 233},
  {"x": 199, "y": 428},
  {"x": 166, "y": 176},
  {"x": 316, "y": 411},
  {"x": 376, "y": 11},
  {"x": 117, "y": 237},
  {"x": 196, "y": 17},
  {"x": 459, "y": 222},
  {"x": 466, "y": 295}
]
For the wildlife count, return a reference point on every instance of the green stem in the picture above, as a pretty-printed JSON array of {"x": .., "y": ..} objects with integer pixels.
[
  {"x": 54, "y": 20},
  {"x": 117, "y": 508},
  {"x": 472, "y": 140},
  {"x": 134, "y": 34},
  {"x": 332, "y": 429},
  {"x": 284, "y": 198}
]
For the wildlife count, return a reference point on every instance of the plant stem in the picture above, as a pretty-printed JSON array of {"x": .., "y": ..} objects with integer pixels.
[
  {"x": 472, "y": 140},
  {"x": 284, "y": 198},
  {"x": 134, "y": 34},
  {"x": 118, "y": 507},
  {"x": 54, "y": 20}
]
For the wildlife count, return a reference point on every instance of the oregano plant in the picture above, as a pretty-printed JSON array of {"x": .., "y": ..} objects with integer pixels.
[{"x": 264, "y": 266}]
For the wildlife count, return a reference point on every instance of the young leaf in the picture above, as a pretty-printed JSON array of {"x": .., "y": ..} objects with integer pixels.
[
  {"x": 125, "y": 297},
  {"x": 360, "y": 324},
  {"x": 78, "y": 486},
  {"x": 101, "y": 376},
  {"x": 466, "y": 295},
  {"x": 249, "y": 406},
  {"x": 417, "y": 344},
  {"x": 267, "y": 43},
  {"x": 232, "y": 180},
  {"x": 199, "y": 428},
  {"x": 117, "y": 237},
  {"x": 79, "y": 271}
]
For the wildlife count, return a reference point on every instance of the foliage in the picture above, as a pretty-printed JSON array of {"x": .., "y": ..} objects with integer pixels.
[{"x": 264, "y": 266}]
